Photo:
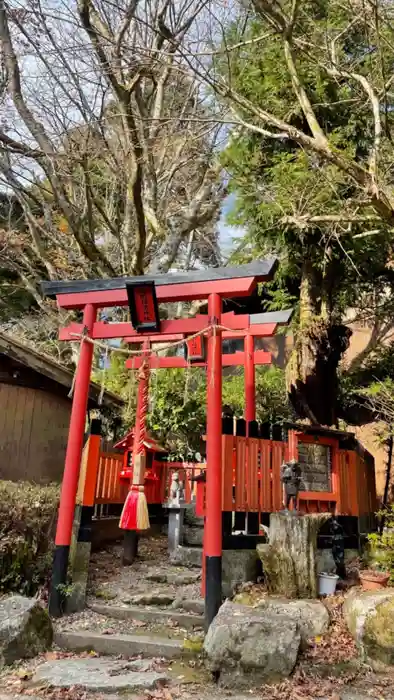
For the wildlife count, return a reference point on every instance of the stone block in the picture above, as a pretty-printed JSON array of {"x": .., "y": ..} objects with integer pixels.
[
  {"x": 369, "y": 616},
  {"x": 190, "y": 557},
  {"x": 246, "y": 646},
  {"x": 99, "y": 675},
  {"x": 193, "y": 535},
  {"x": 25, "y": 629},
  {"x": 311, "y": 616},
  {"x": 238, "y": 566}
]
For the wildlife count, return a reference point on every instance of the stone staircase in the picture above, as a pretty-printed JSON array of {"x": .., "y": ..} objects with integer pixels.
[{"x": 165, "y": 621}]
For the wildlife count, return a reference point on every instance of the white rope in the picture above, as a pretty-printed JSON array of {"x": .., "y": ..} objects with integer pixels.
[
  {"x": 71, "y": 392},
  {"x": 101, "y": 395},
  {"x": 143, "y": 351},
  {"x": 156, "y": 351},
  {"x": 186, "y": 389}
]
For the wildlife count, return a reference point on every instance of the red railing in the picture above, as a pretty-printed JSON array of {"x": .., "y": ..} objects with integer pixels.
[
  {"x": 109, "y": 489},
  {"x": 250, "y": 479}
]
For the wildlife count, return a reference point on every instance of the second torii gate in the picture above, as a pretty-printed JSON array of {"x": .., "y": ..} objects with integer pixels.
[
  {"x": 259, "y": 325},
  {"x": 91, "y": 295}
]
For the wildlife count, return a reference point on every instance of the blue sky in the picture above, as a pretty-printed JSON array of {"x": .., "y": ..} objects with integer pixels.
[{"x": 227, "y": 234}]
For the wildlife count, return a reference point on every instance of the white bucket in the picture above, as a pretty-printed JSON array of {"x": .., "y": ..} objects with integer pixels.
[{"x": 327, "y": 584}]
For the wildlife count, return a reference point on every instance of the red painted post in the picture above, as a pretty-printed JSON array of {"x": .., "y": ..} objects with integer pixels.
[
  {"x": 142, "y": 404},
  {"x": 131, "y": 537},
  {"x": 250, "y": 381},
  {"x": 71, "y": 468},
  {"x": 213, "y": 523}
]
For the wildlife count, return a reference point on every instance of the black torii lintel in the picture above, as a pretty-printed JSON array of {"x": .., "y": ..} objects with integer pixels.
[{"x": 262, "y": 270}]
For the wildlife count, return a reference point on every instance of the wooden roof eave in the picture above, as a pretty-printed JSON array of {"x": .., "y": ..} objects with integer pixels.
[{"x": 52, "y": 370}]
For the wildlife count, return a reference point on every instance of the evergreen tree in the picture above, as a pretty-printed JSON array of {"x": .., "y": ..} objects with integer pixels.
[{"x": 293, "y": 203}]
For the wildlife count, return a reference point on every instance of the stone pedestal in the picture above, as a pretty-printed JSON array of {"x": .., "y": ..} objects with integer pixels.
[
  {"x": 176, "y": 515},
  {"x": 289, "y": 560}
]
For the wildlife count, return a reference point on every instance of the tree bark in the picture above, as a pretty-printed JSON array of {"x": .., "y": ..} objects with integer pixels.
[
  {"x": 319, "y": 346},
  {"x": 289, "y": 560},
  {"x": 388, "y": 478}
]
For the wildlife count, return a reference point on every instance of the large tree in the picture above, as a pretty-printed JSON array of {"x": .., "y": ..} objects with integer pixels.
[
  {"x": 104, "y": 145},
  {"x": 310, "y": 161}
]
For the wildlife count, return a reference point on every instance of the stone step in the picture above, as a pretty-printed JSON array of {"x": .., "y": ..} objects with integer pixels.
[
  {"x": 174, "y": 578},
  {"x": 184, "y": 620},
  {"x": 124, "y": 644},
  {"x": 189, "y": 557},
  {"x": 153, "y": 598},
  {"x": 100, "y": 675}
]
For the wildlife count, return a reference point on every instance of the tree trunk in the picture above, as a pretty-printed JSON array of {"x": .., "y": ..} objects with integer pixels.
[
  {"x": 289, "y": 560},
  {"x": 311, "y": 372},
  {"x": 319, "y": 345},
  {"x": 388, "y": 478}
]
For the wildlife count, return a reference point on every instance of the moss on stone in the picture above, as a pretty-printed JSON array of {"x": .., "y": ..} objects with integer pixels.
[
  {"x": 243, "y": 598},
  {"x": 194, "y": 645},
  {"x": 103, "y": 594},
  {"x": 379, "y": 633}
]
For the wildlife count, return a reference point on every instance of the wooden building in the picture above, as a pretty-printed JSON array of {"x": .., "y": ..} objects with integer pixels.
[{"x": 35, "y": 413}]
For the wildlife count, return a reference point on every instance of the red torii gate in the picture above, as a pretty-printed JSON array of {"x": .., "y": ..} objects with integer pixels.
[
  {"x": 91, "y": 295},
  {"x": 258, "y": 325}
]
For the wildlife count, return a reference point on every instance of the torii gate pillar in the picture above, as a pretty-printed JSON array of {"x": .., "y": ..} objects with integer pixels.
[
  {"x": 250, "y": 380},
  {"x": 213, "y": 525},
  {"x": 71, "y": 468}
]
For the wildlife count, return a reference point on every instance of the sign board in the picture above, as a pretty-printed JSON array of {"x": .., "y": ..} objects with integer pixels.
[
  {"x": 143, "y": 306},
  {"x": 195, "y": 349}
]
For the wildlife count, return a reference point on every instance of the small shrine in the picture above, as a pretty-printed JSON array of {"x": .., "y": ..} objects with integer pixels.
[{"x": 155, "y": 460}]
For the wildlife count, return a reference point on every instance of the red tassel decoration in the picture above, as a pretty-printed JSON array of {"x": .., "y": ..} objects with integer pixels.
[
  {"x": 128, "y": 518},
  {"x": 135, "y": 514}
]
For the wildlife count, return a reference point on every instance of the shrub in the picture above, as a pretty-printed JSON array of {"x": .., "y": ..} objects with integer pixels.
[
  {"x": 27, "y": 523},
  {"x": 382, "y": 546}
]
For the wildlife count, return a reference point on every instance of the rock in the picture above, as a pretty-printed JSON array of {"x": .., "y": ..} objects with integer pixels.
[
  {"x": 154, "y": 598},
  {"x": 246, "y": 646},
  {"x": 358, "y": 695},
  {"x": 99, "y": 674},
  {"x": 190, "y": 557},
  {"x": 238, "y": 566},
  {"x": 20, "y": 697},
  {"x": 173, "y": 579},
  {"x": 25, "y": 629},
  {"x": 311, "y": 616},
  {"x": 156, "y": 577},
  {"x": 194, "y": 605},
  {"x": 183, "y": 579},
  {"x": 190, "y": 517},
  {"x": 193, "y": 535},
  {"x": 369, "y": 616}
]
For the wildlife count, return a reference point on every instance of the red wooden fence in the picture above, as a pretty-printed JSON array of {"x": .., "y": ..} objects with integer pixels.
[
  {"x": 108, "y": 487},
  {"x": 251, "y": 478},
  {"x": 111, "y": 490}
]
